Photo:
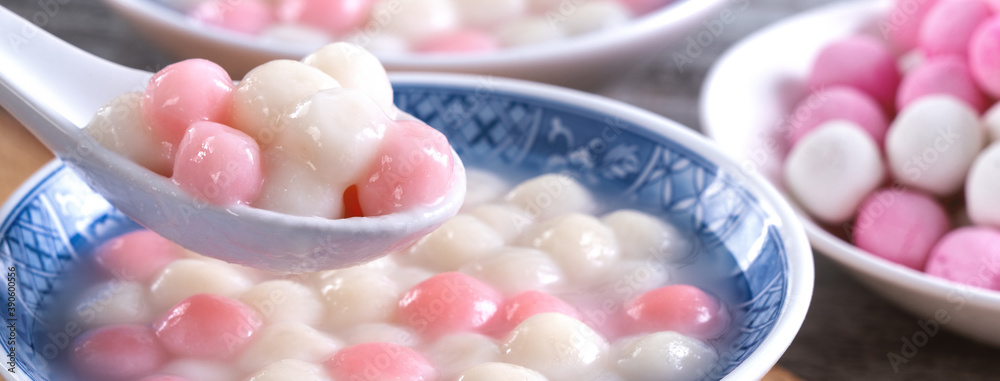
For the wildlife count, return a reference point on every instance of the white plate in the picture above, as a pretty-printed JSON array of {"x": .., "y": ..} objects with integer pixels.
[{"x": 747, "y": 94}]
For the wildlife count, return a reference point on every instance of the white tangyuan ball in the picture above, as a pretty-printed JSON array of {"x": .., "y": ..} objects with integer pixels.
[
  {"x": 283, "y": 300},
  {"x": 357, "y": 69},
  {"x": 981, "y": 188},
  {"x": 643, "y": 236},
  {"x": 499, "y": 371},
  {"x": 114, "y": 302},
  {"x": 507, "y": 220},
  {"x": 460, "y": 240},
  {"x": 380, "y": 333},
  {"x": 582, "y": 246},
  {"x": 529, "y": 31},
  {"x": 291, "y": 370},
  {"x": 292, "y": 186},
  {"x": 557, "y": 346},
  {"x": 356, "y": 295},
  {"x": 336, "y": 130},
  {"x": 269, "y": 90},
  {"x": 596, "y": 15},
  {"x": 487, "y": 14},
  {"x": 415, "y": 20},
  {"x": 454, "y": 353},
  {"x": 551, "y": 195},
  {"x": 991, "y": 120},
  {"x": 120, "y": 127},
  {"x": 482, "y": 187},
  {"x": 187, "y": 277},
  {"x": 665, "y": 356},
  {"x": 287, "y": 340},
  {"x": 931, "y": 144},
  {"x": 832, "y": 169},
  {"x": 198, "y": 369},
  {"x": 408, "y": 276},
  {"x": 513, "y": 270}
]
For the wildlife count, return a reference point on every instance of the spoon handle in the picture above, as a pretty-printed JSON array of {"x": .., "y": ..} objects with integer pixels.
[{"x": 52, "y": 87}]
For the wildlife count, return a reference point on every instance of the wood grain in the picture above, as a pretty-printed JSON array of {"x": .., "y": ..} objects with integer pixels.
[
  {"x": 780, "y": 374},
  {"x": 20, "y": 154}
]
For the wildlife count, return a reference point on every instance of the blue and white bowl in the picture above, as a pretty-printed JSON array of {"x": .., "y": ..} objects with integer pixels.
[{"x": 630, "y": 157}]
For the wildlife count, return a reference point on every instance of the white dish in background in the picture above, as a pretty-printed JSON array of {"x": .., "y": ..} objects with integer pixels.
[
  {"x": 582, "y": 62},
  {"x": 745, "y": 97}
]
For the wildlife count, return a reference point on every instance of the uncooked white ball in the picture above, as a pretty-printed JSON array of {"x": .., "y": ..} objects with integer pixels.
[
  {"x": 832, "y": 169},
  {"x": 982, "y": 188},
  {"x": 931, "y": 144}
]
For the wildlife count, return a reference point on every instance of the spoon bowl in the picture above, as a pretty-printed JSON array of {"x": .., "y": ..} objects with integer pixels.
[{"x": 54, "y": 89}]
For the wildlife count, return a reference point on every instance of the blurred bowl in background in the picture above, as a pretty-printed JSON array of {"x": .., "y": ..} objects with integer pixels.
[{"x": 584, "y": 61}]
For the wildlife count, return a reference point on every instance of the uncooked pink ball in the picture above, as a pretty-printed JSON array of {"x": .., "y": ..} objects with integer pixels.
[
  {"x": 861, "y": 62},
  {"x": 900, "y": 226},
  {"x": 968, "y": 255},
  {"x": 186, "y": 92},
  {"x": 334, "y": 16},
  {"x": 901, "y": 25},
  {"x": 244, "y": 16},
  {"x": 219, "y": 164},
  {"x": 948, "y": 27},
  {"x": 984, "y": 56},
  {"x": 838, "y": 102},
  {"x": 462, "y": 41},
  {"x": 948, "y": 75}
]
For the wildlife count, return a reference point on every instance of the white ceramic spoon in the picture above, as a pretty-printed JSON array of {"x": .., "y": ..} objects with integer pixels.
[{"x": 54, "y": 89}]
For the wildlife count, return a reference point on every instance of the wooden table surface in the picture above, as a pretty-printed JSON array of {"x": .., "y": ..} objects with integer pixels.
[{"x": 848, "y": 333}]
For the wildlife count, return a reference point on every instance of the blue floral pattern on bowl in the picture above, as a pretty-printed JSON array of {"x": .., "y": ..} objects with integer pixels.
[{"x": 59, "y": 218}]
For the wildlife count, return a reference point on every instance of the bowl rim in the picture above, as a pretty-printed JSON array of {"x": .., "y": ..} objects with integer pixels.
[
  {"x": 644, "y": 26},
  {"x": 830, "y": 245},
  {"x": 800, "y": 271}
]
